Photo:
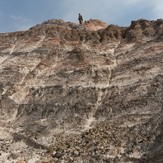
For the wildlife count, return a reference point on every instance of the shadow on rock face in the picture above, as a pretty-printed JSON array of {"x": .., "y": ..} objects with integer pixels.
[{"x": 76, "y": 55}]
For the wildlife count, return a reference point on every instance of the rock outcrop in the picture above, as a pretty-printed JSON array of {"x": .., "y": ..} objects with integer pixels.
[{"x": 82, "y": 93}]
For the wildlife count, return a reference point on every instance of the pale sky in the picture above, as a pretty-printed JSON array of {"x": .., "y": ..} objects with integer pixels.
[{"x": 18, "y": 15}]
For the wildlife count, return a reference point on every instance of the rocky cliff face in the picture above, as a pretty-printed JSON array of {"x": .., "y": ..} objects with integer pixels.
[{"x": 82, "y": 93}]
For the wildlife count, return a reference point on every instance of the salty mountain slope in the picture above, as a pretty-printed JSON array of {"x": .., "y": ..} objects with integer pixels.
[{"x": 82, "y": 93}]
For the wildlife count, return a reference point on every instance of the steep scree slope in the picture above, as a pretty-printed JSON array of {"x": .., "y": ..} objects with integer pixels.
[{"x": 82, "y": 93}]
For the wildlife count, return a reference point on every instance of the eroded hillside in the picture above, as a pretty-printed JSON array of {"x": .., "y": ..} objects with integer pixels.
[{"x": 82, "y": 93}]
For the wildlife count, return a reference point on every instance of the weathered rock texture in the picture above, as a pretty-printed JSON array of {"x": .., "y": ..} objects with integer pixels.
[{"x": 82, "y": 93}]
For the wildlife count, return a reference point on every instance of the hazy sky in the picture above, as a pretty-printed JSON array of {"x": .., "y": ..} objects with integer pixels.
[{"x": 23, "y": 14}]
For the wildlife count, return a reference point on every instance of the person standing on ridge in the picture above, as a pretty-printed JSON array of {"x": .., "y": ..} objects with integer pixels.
[{"x": 80, "y": 18}]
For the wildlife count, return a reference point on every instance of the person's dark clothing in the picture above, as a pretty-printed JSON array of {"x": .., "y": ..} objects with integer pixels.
[{"x": 80, "y": 18}]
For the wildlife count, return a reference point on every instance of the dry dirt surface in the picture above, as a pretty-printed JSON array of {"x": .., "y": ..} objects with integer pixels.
[{"x": 90, "y": 93}]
